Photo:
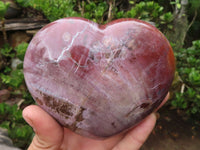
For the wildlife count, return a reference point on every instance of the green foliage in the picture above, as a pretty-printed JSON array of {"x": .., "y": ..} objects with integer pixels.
[
  {"x": 7, "y": 51},
  {"x": 21, "y": 50},
  {"x": 52, "y": 9},
  {"x": 149, "y": 11},
  {"x": 11, "y": 119},
  {"x": 98, "y": 10},
  {"x": 13, "y": 78},
  {"x": 177, "y": 3},
  {"x": 57, "y": 9},
  {"x": 95, "y": 11},
  {"x": 3, "y": 9},
  {"x": 188, "y": 65},
  {"x": 11, "y": 116},
  {"x": 145, "y": 10},
  {"x": 195, "y": 4}
]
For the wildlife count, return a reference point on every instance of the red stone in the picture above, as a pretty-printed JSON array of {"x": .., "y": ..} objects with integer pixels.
[{"x": 99, "y": 80}]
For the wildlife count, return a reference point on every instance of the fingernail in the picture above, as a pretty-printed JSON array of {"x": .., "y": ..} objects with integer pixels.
[{"x": 29, "y": 121}]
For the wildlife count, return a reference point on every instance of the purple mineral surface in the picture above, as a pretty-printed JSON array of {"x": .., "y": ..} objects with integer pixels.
[{"x": 99, "y": 80}]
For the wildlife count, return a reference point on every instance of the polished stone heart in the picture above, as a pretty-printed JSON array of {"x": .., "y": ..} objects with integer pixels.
[{"x": 99, "y": 80}]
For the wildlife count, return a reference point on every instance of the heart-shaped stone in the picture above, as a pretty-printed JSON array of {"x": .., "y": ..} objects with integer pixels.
[{"x": 99, "y": 80}]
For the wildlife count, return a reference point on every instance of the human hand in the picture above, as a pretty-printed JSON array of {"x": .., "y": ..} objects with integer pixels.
[{"x": 50, "y": 135}]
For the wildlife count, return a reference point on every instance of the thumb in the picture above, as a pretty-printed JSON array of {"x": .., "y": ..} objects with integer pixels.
[{"x": 48, "y": 133}]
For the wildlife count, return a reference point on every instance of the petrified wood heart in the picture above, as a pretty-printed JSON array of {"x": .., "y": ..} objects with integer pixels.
[{"x": 99, "y": 80}]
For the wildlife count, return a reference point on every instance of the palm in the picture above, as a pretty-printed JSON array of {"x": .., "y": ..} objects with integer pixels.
[
  {"x": 77, "y": 142},
  {"x": 50, "y": 135}
]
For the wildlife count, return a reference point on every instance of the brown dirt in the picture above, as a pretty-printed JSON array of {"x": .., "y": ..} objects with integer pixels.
[{"x": 173, "y": 131}]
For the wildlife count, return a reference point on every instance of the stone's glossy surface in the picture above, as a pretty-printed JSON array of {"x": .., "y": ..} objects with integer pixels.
[{"x": 99, "y": 80}]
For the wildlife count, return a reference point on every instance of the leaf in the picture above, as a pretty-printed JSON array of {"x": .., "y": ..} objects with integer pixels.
[
  {"x": 3, "y": 8},
  {"x": 5, "y": 78},
  {"x": 2, "y": 108},
  {"x": 21, "y": 50},
  {"x": 170, "y": 26},
  {"x": 196, "y": 44},
  {"x": 194, "y": 76},
  {"x": 178, "y": 5},
  {"x": 15, "y": 79},
  {"x": 7, "y": 69},
  {"x": 7, "y": 51},
  {"x": 131, "y": 2}
]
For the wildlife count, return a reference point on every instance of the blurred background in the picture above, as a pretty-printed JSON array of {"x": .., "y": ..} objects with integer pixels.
[{"x": 178, "y": 126}]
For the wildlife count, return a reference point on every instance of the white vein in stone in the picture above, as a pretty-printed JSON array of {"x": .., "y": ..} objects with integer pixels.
[{"x": 70, "y": 45}]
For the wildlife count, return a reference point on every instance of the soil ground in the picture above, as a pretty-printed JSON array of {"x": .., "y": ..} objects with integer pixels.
[{"x": 173, "y": 131}]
